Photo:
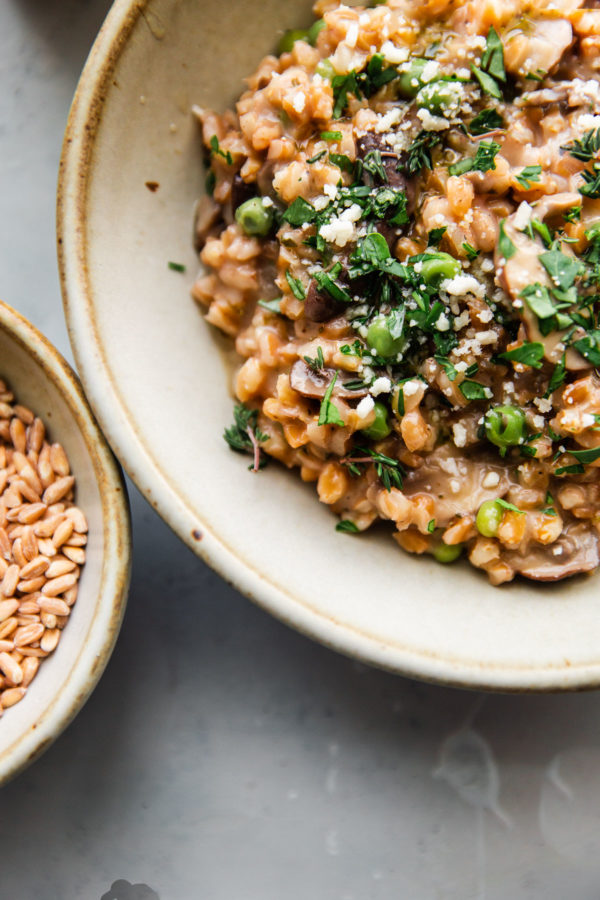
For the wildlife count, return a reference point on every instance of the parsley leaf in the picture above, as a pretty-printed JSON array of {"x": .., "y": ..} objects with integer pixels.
[
  {"x": 591, "y": 188},
  {"x": 435, "y": 235},
  {"x": 216, "y": 150},
  {"x": 272, "y": 305},
  {"x": 483, "y": 161},
  {"x": 486, "y": 82},
  {"x": 342, "y": 161},
  {"x": 505, "y": 505},
  {"x": 486, "y": 120},
  {"x": 419, "y": 152},
  {"x": 529, "y": 354},
  {"x": 299, "y": 212},
  {"x": 329, "y": 413},
  {"x": 538, "y": 300},
  {"x": 472, "y": 390},
  {"x": 589, "y": 347},
  {"x": 528, "y": 176},
  {"x": 345, "y": 526},
  {"x": 296, "y": 286},
  {"x": 586, "y": 456},
  {"x": 326, "y": 282},
  {"x": 505, "y": 245},
  {"x": 471, "y": 252},
  {"x": 176, "y": 267},
  {"x": 558, "y": 377},
  {"x": 492, "y": 60},
  {"x": 562, "y": 269}
]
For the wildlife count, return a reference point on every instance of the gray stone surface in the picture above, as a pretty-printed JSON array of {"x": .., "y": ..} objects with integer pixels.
[{"x": 225, "y": 757}]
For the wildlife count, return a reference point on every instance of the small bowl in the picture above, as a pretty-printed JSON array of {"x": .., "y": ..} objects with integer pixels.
[
  {"x": 158, "y": 381},
  {"x": 42, "y": 380}
]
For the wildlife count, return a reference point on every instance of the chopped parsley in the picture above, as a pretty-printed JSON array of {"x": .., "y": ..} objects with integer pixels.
[
  {"x": 329, "y": 413},
  {"x": 587, "y": 148},
  {"x": 273, "y": 306},
  {"x": 487, "y": 120},
  {"x": 528, "y": 176},
  {"x": 483, "y": 161},
  {"x": 216, "y": 150},
  {"x": 505, "y": 245},
  {"x": 176, "y": 267},
  {"x": 244, "y": 435},
  {"x": 296, "y": 286},
  {"x": 528, "y": 354},
  {"x": 345, "y": 526},
  {"x": 317, "y": 363}
]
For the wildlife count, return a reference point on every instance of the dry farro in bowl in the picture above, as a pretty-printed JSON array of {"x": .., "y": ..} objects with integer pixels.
[
  {"x": 402, "y": 237},
  {"x": 64, "y": 545},
  {"x": 161, "y": 382}
]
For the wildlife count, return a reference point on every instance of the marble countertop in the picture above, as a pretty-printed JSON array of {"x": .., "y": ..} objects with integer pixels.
[{"x": 225, "y": 757}]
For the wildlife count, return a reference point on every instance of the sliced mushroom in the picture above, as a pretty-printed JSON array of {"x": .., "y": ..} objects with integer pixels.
[
  {"x": 540, "y": 49},
  {"x": 371, "y": 142},
  {"x": 313, "y": 384},
  {"x": 319, "y": 306},
  {"x": 456, "y": 482},
  {"x": 575, "y": 551},
  {"x": 206, "y": 216},
  {"x": 524, "y": 268},
  {"x": 241, "y": 191}
]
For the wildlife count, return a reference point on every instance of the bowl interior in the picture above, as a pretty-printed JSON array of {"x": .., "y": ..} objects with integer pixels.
[
  {"x": 159, "y": 383},
  {"x": 41, "y": 380}
]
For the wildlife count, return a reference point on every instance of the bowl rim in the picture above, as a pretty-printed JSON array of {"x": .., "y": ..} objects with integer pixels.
[
  {"x": 93, "y": 655},
  {"x": 75, "y": 175}
]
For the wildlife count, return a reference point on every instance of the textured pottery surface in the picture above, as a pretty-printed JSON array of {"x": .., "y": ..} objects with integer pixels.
[{"x": 159, "y": 381}]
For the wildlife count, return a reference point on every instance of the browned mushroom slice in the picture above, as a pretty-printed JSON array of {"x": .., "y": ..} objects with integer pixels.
[
  {"x": 311, "y": 383},
  {"x": 575, "y": 551},
  {"x": 524, "y": 268},
  {"x": 319, "y": 306},
  {"x": 370, "y": 143},
  {"x": 241, "y": 191},
  {"x": 207, "y": 214},
  {"x": 456, "y": 482}
]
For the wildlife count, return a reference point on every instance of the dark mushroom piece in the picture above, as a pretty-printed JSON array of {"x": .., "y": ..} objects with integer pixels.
[
  {"x": 241, "y": 191},
  {"x": 371, "y": 142},
  {"x": 314, "y": 384},
  {"x": 206, "y": 217},
  {"x": 319, "y": 306},
  {"x": 578, "y": 547}
]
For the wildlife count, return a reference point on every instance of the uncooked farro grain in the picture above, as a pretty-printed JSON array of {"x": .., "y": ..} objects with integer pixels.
[{"x": 42, "y": 540}]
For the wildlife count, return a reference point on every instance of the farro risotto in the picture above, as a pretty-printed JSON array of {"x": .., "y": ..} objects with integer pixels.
[{"x": 401, "y": 233}]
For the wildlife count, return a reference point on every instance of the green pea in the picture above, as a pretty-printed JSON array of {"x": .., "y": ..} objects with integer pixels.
[
  {"x": 409, "y": 82},
  {"x": 289, "y": 38},
  {"x": 505, "y": 426},
  {"x": 488, "y": 518},
  {"x": 380, "y": 427},
  {"x": 254, "y": 217},
  {"x": 325, "y": 69},
  {"x": 439, "y": 96},
  {"x": 380, "y": 339},
  {"x": 439, "y": 266},
  {"x": 315, "y": 30},
  {"x": 447, "y": 553}
]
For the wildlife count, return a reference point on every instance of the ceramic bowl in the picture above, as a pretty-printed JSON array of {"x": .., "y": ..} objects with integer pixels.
[
  {"x": 158, "y": 380},
  {"x": 42, "y": 380}
]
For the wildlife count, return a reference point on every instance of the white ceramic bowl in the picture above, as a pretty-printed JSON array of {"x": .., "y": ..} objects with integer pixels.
[
  {"x": 156, "y": 378},
  {"x": 41, "y": 379}
]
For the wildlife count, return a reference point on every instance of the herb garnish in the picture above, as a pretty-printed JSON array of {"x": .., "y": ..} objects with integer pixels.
[
  {"x": 528, "y": 354},
  {"x": 296, "y": 286},
  {"x": 271, "y": 305},
  {"x": 587, "y": 148},
  {"x": 361, "y": 84},
  {"x": 329, "y": 413},
  {"x": 389, "y": 471},
  {"x": 505, "y": 245},
  {"x": 216, "y": 150},
  {"x": 419, "y": 152},
  {"x": 176, "y": 267},
  {"x": 317, "y": 363},
  {"x": 528, "y": 176},
  {"x": 345, "y": 526},
  {"x": 483, "y": 161},
  {"x": 245, "y": 437},
  {"x": 487, "y": 120}
]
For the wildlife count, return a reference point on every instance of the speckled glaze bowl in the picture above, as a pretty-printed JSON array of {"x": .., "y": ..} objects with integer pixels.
[
  {"x": 158, "y": 380},
  {"x": 41, "y": 379}
]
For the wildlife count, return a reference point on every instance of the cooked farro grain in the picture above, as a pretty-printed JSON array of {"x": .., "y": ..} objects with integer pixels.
[
  {"x": 402, "y": 237},
  {"x": 42, "y": 535}
]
